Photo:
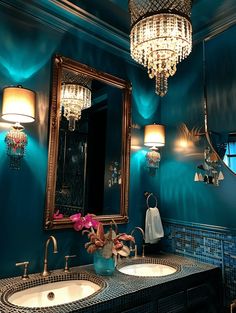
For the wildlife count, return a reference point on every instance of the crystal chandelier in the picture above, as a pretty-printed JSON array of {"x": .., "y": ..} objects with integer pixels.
[
  {"x": 161, "y": 37},
  {"x": 74, "y": 98}
]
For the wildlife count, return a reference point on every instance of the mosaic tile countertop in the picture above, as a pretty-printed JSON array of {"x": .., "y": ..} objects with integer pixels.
[{"x": 117, "y": 291}]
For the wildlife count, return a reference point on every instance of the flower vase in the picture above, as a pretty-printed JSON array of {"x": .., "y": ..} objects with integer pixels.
[{"x": 103, "y": 266}]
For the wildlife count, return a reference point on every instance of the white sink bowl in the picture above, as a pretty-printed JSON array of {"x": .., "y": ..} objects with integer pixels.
[
  {"x": 147, "y": 267},
  {"x": 56, "y": 289},
  {"x": 148, "y": 270},
  {"x": 57, "y": 293}
]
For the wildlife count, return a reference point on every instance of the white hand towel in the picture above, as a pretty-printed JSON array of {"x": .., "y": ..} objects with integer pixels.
[{"x": 153, "y": 226}]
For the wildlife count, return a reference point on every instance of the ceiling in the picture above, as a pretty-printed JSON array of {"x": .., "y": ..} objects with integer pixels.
[
  {"x": 115, "y": 12},
  {"x": 107, "y": 22}
]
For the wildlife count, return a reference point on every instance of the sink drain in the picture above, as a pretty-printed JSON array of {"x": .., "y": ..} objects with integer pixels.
[{"x": 51, "y": 296}]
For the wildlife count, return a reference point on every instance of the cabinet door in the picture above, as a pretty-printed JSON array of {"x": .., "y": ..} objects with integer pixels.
[
  {"x": 175, "y": 303},
  {"x": 203, "y": 299},
  {"x": 150, "y": 307}
]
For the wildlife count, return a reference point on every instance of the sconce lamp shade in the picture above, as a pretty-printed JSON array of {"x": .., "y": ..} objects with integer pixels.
[
  {"x": 18, "y": 104},
  {"x": 154, "y": 135}
]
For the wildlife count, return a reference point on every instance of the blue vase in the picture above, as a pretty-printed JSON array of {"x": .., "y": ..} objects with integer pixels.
[{"x": 103, "y": 266}]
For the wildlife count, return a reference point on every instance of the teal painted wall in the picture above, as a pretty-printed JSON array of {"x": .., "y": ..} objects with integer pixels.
[{"x": 25, "y": 58}]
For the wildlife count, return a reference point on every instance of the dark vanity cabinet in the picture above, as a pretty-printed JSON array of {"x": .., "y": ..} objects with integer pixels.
[
  {"x": 191, "y": 295},
  {"x": 199, "y": 299}
]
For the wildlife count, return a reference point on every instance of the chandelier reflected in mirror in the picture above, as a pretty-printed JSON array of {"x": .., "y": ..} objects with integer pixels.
[
  {"x": 75, "y": 97},
  {"x": 161, "y": 37}
]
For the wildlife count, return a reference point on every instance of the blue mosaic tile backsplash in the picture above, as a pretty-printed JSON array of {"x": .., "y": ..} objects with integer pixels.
[{"x": 205, "y": 244}]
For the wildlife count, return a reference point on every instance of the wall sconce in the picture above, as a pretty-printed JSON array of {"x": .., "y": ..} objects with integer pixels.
[
  {"x": 18, "y": 106},
  {"x": 154, "y": 137},
  {"x": 212, "y": 175},
  {"x": 74, "y": 98}
]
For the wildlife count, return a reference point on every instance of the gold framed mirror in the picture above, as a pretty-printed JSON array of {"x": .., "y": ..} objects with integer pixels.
[{"x": 89, "y": 145}]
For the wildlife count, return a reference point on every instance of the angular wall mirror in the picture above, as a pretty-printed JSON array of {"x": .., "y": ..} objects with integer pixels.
[
  {"x": 220, "y": 95},
  {"x": 89, "y": 145}
]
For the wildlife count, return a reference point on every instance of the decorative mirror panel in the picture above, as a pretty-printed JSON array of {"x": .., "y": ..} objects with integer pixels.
[{"x": 220, "y": 95}]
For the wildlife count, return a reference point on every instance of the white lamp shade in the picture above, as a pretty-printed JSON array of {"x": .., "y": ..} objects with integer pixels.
[
  {"x": 18, "y": 105},
  {"x": 154, "y": 135}
]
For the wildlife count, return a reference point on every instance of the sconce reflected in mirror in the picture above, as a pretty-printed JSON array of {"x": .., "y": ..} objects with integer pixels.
[
  {"x": 18, "y": 106},
  {"x": 154, "y": 137},
  {"x": 187, "y": 140}
]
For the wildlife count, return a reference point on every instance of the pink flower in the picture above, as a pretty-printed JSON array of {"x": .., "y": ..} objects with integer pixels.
[
  {"x": 58, "y": 215},
  {"x": 81, "y": 222},
  {"x": 75, "y": 217},
  {"x": 90, "y": 222},
  {"x": 78, "y": 226},
  {"x": 111, "y": 243}
]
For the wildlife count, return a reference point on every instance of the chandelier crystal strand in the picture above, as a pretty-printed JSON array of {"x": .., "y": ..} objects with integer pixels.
[{"x": 161, "y": 40}]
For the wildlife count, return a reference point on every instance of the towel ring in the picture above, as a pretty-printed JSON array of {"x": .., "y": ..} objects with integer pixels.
[{"x": 151, "y": 194}]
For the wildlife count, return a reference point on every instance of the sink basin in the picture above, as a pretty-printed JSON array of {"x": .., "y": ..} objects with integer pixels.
[
  {"x": 54, "y": 294},
  {"x": 147, "y": 267},
  {"x": 151, "y": 270},
  {"x": 50, "y": 292}
]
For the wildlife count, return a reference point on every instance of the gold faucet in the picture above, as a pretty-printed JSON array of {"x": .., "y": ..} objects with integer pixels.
[
  {"x": 25, "y": 275},
  {"x": 45, "y": 272},
  {"x": 135, "y": 247}
]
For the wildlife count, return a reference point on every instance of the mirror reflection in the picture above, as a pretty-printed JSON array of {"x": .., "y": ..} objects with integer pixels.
[
  {"x": 88, "y": 145},
  {"x": 221, "y": 94}
]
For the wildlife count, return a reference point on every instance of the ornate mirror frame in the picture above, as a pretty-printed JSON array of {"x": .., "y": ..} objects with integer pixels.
[{"x": 60, "y": 63}]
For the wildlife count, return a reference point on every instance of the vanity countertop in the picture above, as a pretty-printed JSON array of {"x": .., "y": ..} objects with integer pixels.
[{"x": 123, "y": 292}]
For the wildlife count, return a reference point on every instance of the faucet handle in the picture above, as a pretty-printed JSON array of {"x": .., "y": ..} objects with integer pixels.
[
  {"x": 133, "y": 248},
  {"x": 143, "y": 251},
  {"x": 25, "y": 273},
  {"x": 67, "y": 257}
]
